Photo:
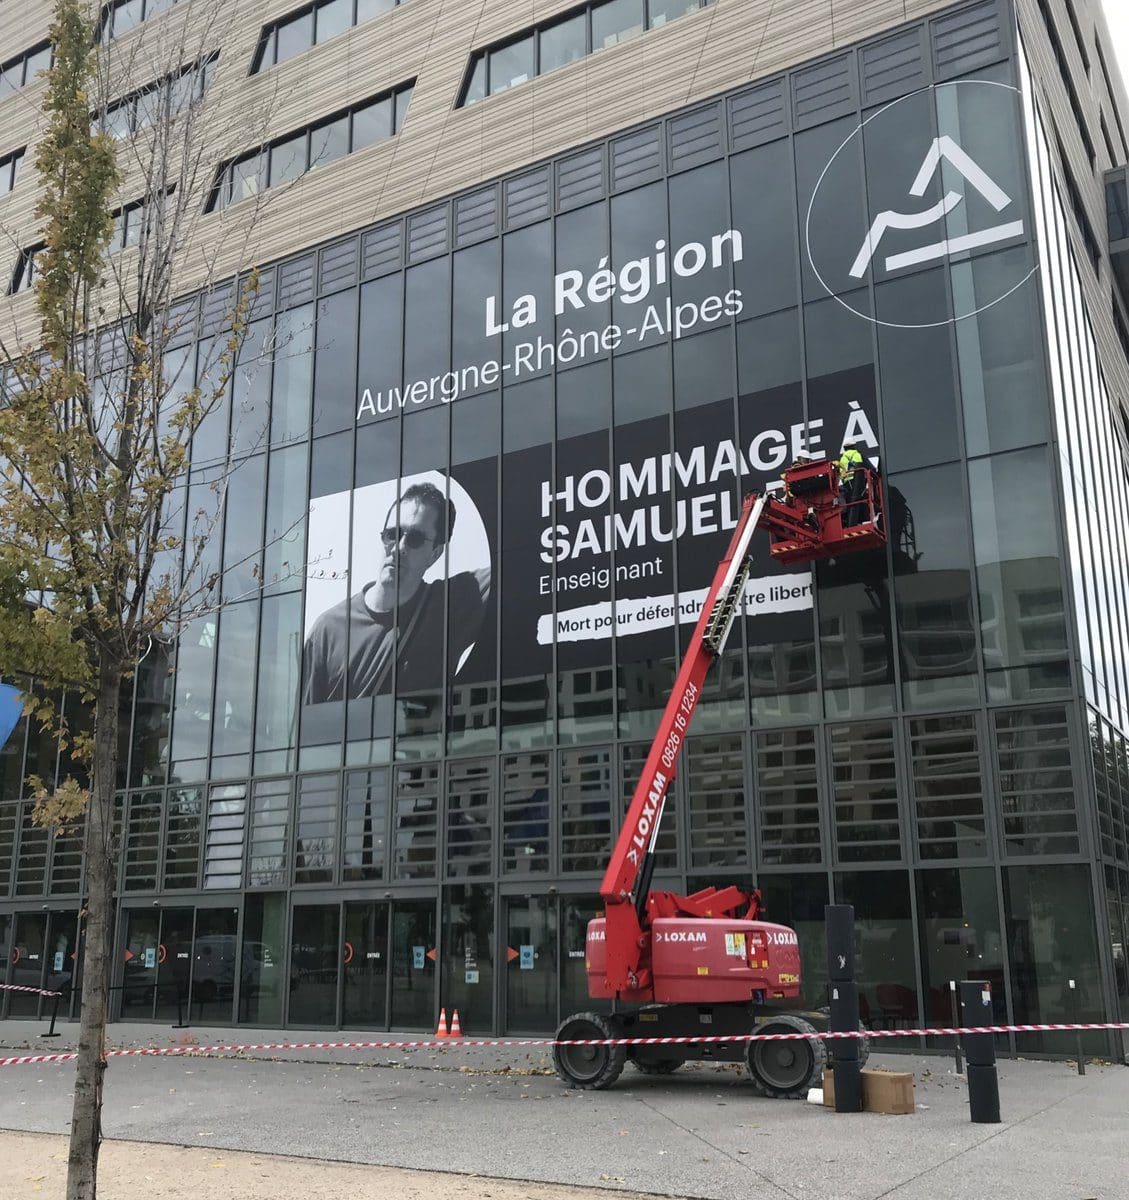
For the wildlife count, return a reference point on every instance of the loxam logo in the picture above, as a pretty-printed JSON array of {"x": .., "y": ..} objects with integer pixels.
[
  {"x": 782, "y": 937},
  {"x": 680, "y": 935},
  {"x": 597, "y": 935}
]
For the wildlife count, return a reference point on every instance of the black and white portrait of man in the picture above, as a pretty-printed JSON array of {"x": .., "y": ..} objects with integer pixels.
[{"x": 412, "y": 546}]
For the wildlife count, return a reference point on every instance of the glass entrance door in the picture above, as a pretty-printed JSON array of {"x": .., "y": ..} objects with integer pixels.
[
  {"x": 531, "y": 966},
  {"x": 215, "y": 955},
  {"x": 364, "y": 964},
  {"x": 62, "y": 956},
  {"x": 174, "y": 964},
  {"x": 413, "y": 964},
  {"x": 315, "y": 956},
  {"x": 28, "y": 963},
  {"x": 139, "y": 970}
]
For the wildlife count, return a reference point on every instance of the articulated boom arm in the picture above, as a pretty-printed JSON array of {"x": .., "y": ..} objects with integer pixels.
[
  {"x": 641, "y": 825},
  {"x": 807, "y": 524}
]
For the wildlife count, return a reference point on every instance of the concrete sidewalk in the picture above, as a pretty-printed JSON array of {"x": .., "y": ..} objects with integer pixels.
[{"x": 701, "y": 1132}]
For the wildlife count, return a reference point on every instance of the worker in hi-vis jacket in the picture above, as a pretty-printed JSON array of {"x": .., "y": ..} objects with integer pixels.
[{"x": 852, "y": 485}]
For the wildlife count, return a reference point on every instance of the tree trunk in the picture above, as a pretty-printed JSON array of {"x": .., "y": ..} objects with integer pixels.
[{"x": 86, "y": 1117}]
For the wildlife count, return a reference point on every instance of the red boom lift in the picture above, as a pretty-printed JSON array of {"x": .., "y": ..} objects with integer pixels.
[{"x": 672, "y": 965}]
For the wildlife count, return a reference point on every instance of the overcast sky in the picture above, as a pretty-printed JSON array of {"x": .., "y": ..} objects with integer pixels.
[{"x": 1117, "y": 14}]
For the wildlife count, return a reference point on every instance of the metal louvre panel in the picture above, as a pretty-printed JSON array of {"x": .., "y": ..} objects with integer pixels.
[
  {"x": 415, "y": 823},
  {"x": 364, "y": 836},
  {"x": 787, "y": 778},
  {"x": 586, "y": 809},
  {"x": 476, "y": 216},
  {"x": 525, "y": 814},
  {"x": 636, "y": 158},
  {"x": 337, "y": 266},
  {"x": 715, "y": 781},
  {"x": 1037, "y": 794},
  {"x": 581, "y": 178},
  {"x": 824, "y": 92},
  {"x": 968, "y": 39},
  {"x": 759, "y": 115},
  {"x": 470, "y": 819},
  {"x": 893, "y": 67},
  {"x": 695, "y": 138},
  {"x": 296, "y": 282},
  {"x": 526, "y": 198},
  {"x": 428, "y": 233},
  {"x": 948, "y": 787},
  {"x": 382, "y": 250},
  {"x": 865, "y": 792}
]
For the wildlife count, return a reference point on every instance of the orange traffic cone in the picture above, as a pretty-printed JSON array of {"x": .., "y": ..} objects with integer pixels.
[
  {"x": 456, "y": 1028},
  {"x": 441, "y": 1032}
]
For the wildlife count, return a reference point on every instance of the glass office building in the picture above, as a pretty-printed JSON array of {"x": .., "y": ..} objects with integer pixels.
[{"x": 528, "y": 412}]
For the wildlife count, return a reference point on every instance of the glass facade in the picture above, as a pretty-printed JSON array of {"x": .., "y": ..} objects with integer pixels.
[{"x": 488, "y": 458}]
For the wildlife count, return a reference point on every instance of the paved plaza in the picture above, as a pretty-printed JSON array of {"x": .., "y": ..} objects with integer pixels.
[{"x": 501, "y": 1113}]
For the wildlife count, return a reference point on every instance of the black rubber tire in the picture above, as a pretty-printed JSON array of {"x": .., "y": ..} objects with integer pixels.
[
  {"x": 656, "y": 1066},
  {"x": 785, "y": 1070},
  {"x": 590, "y": 1068}
]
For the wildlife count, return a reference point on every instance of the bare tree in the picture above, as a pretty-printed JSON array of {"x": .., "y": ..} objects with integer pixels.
[{"x": 101, "y": 411}]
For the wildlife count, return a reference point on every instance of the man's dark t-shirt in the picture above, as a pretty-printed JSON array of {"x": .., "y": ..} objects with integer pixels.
[{"x": 350, "y": 638}]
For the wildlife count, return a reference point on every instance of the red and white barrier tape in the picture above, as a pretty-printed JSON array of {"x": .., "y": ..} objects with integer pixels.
[
  {"x": 19, "y": 987},
  {"x": 525, "y": 1043}
]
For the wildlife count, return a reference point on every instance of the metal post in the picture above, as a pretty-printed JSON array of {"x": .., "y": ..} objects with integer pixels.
[
  {"x": 980, "y": 1052},
  {"x": 180, "y": 1011},
  {"x": 844, "y": 997},
  {"x": 54, "y": 1013},
  {"x": 1078, "y": 1032},
  {"x": 956, "y": 1025}
]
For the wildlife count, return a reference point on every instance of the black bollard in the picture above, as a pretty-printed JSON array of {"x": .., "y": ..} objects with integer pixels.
[
  {"x": 956, "y": 1024},
  {"x": 844, "y": 1002},
  {"x": 1078, "y": 1032},
  {"x": 980, "y": 1053},
  {"x": 54, "y": 1013}
]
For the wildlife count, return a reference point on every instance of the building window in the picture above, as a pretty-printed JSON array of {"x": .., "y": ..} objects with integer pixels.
[
  {"x": 564, "y": 40},
  {"x": 129, "y": 224},
  {"x": 312, "y": 25},
  {"x": 787, "y": 775},
  {"x": 289, "y": 157},
  {"x": 123, "y": 16},
  {"x": 27, "y": 270},
  {"x": 170, "y": 95},
  {"x": 10, "y": 170},
  {"x": 18, "y": 72},
  {"x": 525, "y": 814}
]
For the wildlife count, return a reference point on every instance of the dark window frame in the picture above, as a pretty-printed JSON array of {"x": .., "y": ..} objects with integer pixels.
[
  {"x": 21, "y": 60},
  {"x": 10, "y": 167},
  {"x": 220, "y": 193},
  {"x": 105, "y": 29},
  {"x": 266, "y": 47},
  {"x": 483, "y": 53}
]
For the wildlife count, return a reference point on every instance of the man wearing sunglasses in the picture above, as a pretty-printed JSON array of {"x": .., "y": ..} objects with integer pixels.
[{"x": 396, "y": 618}]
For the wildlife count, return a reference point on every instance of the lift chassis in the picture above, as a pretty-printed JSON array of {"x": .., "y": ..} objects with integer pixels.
[{"x": 707, "y": 964}]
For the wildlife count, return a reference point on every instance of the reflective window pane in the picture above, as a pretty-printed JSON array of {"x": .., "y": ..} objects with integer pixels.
[
  {"x": 329, "y": 142},
  {"x": 511, "y": 65},
  {"x": 287, "y": 160},
  {"x": 564, "y": 42},
  {"x": 333, "y": 18},
  {"x": 295, "y": 35},
  {"x": 372, "y": 123},
  {"x": 616, "y": 21}
]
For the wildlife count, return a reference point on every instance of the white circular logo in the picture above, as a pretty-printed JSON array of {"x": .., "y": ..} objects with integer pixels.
[{"x": 974, "y": 210}]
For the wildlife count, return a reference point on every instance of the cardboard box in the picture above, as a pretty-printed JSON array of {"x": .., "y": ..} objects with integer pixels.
[{"x": 882, "y": 1091}]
